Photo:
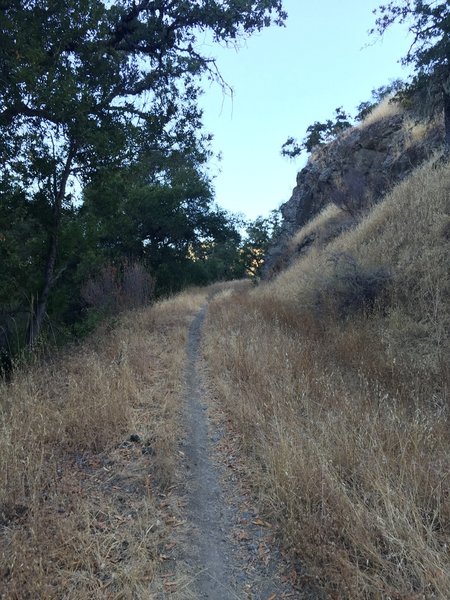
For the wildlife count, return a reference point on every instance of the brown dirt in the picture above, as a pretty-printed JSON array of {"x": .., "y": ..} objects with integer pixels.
[{"x": 229, "y": 552}]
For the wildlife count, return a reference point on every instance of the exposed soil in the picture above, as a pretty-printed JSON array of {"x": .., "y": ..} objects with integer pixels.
[{"x": 229, "y": 551}]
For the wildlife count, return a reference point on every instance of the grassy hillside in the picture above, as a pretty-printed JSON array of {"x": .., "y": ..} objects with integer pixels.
[
  {"x": 88, "y": 443},
  {"x": 335, "y": 375}
]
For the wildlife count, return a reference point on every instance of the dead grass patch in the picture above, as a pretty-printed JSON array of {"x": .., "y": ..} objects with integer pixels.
[
  {"x": 384, "y": 110},
  {"x": 328, "y": 224},
  {"x": 344, "y": 418},
  {"x": 80, "y": 510}
]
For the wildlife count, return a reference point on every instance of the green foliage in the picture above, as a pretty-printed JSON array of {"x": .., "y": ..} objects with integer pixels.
[
  {"x": 160, "y": 211},
  {"x": 260, "y": 235},
  {"x": 101, "y": 151},
  {"x": 429, "y": 22},
  {"x": 429, "y": 53},
  {"x": 318, "y": 134}
]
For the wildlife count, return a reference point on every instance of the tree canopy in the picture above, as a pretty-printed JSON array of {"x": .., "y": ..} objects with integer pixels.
[
  {"x": 101, "y": 142},
  {"x": 429, "y": 53}
]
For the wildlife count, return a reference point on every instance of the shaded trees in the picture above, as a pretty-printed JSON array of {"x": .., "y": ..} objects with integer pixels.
[
  {"x": 260, "y": 235},
  {"x": 429, "y": 24},
  {"x": 88, "y": 86},
  {"x": 159, "y": 211}
]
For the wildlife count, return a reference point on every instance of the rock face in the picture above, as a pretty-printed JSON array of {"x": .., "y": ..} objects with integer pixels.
[{"x": 356, "y": 169}]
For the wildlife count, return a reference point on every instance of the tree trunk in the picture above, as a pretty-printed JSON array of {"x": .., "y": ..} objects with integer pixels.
[
  {"x": 40, "y": 310},
  {"x": 446, "y": 95},
  {"x": 446, "y": 102}
]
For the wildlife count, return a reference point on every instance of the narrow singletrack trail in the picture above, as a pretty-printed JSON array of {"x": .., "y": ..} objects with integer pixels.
[
  {"x": 222, "y": 565},
  {"x": 212, "y": 553}
]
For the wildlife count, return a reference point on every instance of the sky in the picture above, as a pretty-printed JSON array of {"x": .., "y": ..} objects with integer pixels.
[{"x": 283, "y": 80}]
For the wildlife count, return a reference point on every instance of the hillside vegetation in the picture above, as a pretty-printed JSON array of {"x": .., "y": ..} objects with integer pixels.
[
  {"x": 353, "y": 171},
  {"x": 88, "y": 448},
  {"x": 335, "y": 376},
  {"x": 335, "y": 383}
]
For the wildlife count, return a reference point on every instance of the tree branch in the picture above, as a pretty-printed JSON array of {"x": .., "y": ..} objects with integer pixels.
[{"x": 21, "y": 109}]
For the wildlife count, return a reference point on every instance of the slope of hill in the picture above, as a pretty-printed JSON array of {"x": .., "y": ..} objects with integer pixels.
[
  {"x": 88, "y": 449},
  {"x": 357, "y": 169},
  {"x": 327, "y": 393},
  {"x": 335, "y": 376},
  {"x": 113, "y": 483}
]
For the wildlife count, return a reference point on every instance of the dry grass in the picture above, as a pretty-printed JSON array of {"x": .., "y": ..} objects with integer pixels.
[
  {"x": 345, "y": 418},
  {"x": 383, "y": 110},
  {"x": 407, "y": 235},
  {"x": 327, "y": 225},
  {"x": 80, "y": 514},
  {"x": 415, "y": 132}
]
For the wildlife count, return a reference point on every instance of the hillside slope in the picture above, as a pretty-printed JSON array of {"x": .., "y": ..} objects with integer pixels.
[
  {"x": 118, "y": 473},
  {"x": 327, "y": 389},
  {"x": 357, "y": 169},
  {"x": 335, "y": 376},
  {"x": 88, "y": 450}
]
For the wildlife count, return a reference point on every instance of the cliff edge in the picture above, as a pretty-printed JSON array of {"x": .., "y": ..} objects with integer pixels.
[{"x": 353, "y": 172}]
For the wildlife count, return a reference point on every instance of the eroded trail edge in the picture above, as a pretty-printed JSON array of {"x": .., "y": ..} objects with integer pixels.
[{"x": 221, "y": 566}]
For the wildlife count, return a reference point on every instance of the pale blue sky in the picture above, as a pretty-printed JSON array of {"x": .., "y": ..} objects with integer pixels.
[{"x": 284, "y": 79}]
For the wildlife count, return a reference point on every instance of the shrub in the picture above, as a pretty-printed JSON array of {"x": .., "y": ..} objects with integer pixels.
[
  {"x": 114, "y": 288},
  {"x": 351, "y": 288}
]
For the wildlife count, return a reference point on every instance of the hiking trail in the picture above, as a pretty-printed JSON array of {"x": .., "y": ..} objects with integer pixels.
[{"x": 229, "y": 551}]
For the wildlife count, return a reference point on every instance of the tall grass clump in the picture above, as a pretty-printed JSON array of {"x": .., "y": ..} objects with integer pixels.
[{"x": 335, "y": 376}]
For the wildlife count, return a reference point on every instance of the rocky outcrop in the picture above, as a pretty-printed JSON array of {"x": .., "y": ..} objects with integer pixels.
[{"x": 353, "y": 171}]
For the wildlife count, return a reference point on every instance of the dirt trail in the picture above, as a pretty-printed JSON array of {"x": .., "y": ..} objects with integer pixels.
[{"x": 226, "y": 546}]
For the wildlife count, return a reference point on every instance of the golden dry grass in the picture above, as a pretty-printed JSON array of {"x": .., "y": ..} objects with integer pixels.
[
  {"x": 407, "y": 235},
  {"x": 329, "y": 213},
  {"x": 80, "y": 516},
  {"x": 322, "y": 228},
  {"x": 383, "y": 110},
  {"x": 415, "y": 132},
  {"x": 344, "y": 419}
]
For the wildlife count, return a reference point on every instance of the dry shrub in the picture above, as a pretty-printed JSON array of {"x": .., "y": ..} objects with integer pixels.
[
  {"x": 79, "y": 514},
  {"x": 137, "y": 285},
  {"x": 350, "y": 288},
  {"x": 116, "y": 288},
  {"x": 345, "y": 422}
]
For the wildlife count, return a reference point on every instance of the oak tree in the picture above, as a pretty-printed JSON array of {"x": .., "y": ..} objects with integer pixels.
[
  {"x": 429, "y": 53},
  {"x": 89, "y": 84}
]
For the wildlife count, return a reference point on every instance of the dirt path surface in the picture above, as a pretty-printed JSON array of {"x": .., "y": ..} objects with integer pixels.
[{"x": 228, "y": 549}]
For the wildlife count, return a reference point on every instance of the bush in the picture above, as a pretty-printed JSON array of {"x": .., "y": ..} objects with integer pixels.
[
  {"x": 115, "y": 288},
  {"x": 351, "y": 288},
  {"x": 318, "y": 134}
]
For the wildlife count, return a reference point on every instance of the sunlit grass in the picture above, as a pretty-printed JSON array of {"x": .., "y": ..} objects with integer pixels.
[{"x": 383, "y": 110}]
